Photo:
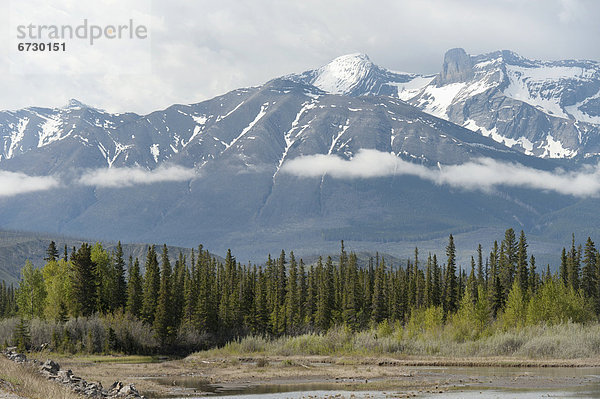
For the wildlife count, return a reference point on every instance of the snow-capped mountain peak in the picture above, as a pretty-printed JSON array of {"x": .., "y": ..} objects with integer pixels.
[
  {"x": 343, "y": 74},
  {"x": 74, "y": 104},
  {"x": 356, "y": 75}
]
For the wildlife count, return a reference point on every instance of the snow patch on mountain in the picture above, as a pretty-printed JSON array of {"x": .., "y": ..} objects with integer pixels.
[
  {"x": 523, "y": 142},
  {"x": 261, "y": 113},
  {"x": 50, "y": 131},
  {"x": 221, "y": 117},
  {"x": 119, "y": 148},
  {"x": 289, "y": 141},
  {"x": 335, "y": 139},
  {"x": 436, "y": 100},
  {"x": 197, "y": 130},
  {"x": 201, "y": 120},
  {"x": 540, "y": 86},
  {"x": 16, "y": 137},
  {"x": 580, "y": 115},
  {"x": 413, "y": 87},
  {"x": 155, "y": 151},
  {"x": 555, "y": 149}
]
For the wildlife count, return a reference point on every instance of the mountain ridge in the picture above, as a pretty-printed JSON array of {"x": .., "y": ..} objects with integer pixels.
[
  {"x": 558, "y": 99},
  {"x": 236, "y": 144}
]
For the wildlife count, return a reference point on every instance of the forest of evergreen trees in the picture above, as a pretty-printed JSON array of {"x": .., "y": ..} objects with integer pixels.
[{"x": 221, "y": 301}]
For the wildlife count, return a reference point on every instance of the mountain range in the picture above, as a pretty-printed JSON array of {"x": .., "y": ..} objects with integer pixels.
[{"x": 219, "y": 172}]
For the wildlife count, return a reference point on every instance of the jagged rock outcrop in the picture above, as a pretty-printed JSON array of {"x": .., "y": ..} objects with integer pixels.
[{"x": 457, "y": 67}]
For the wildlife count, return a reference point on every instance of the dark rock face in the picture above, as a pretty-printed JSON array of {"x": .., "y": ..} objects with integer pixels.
[{"x": 457, "y": 67}]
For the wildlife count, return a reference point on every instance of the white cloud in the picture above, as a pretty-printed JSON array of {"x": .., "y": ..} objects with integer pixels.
[
  {"x": 482, "y": 174},
  {"x": 124, "y": 177},
  {"x": 15, "y": 183},
  {"x": 12, "y": 183}
]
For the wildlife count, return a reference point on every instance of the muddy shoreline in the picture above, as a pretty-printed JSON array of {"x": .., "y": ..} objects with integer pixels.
[{"x": 404, "y": 376}]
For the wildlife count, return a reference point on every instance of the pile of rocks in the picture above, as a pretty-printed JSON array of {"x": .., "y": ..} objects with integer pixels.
[
  {"x": 51, "y": 370},
  {"x": 13, "y": 355}
]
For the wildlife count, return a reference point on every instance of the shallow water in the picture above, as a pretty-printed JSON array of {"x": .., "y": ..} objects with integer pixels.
[
  {"x": 466, "y": 382},
  {"x": 461, "y": 394}
]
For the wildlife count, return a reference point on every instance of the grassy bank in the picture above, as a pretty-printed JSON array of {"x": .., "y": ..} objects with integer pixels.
[
  {"x": 539, "y": 342},
  {"x": 25, "y": 381}
]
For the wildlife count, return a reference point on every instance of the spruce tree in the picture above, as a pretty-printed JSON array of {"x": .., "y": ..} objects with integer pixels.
[
  {"x": 178, "y": 290},
  {"x": 522, "y": 267},
  {"x": 279, "y": 282},
  {"x": 302, "y": 291},
  {"x": 451, "y": 284},
  {"x": 151, "y": 286},
  {"x": 533, "y": 277},
  {"x": 494, "y": 287},
  {"x": 472, "y": 283},
  {"x": 367, "y": 290},
  {"x": 428, "y": 282},
  {"x": 246, "y": 290},
  {"x": 379, "y": 302},
  {"x": 292, "y": 310},
  {"x": 22, "y": 335},
  {"x": 261, "y": 318},
  {"x": 189, "y": 301},
  {"x": 3, "y": 299},
  {"x": 351, "y": 307},
  {"x": 507, "y": 261},
  {"x": 436, "y": 288},
  {"x": 312, "y": 290},
  {"x": 51, "y": 252},
  {"x": 163, "y": 318},
  {"x": 597, "y": 301},
  {"x": 409, "y": 284},
  {"x": 134, "y": 289},
  {"x": 105, "y": 278},
  {"x": 589, "y": 272},
  {"x": 573, "y": 265},
  {"x": 84, "y": 281},
  {"x": 419, "y": 283},
  {"x": 394, "y": 294},
  {"x": 119, "y": 294},
  {"x": 205, "y": 318},
  {"x": 191, "y": 284},
  {"x": 480, "y": 272},
  {"x": 340, "y": 284},
  {"x": 563, "y": 267},
  {"x": 325, "y": 296}
]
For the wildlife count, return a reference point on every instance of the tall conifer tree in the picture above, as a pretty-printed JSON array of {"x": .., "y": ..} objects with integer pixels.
[{"x": 151, "y": 286}]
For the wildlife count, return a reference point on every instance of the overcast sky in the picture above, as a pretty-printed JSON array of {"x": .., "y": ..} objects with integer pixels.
[{"x": 199, "y": 49}]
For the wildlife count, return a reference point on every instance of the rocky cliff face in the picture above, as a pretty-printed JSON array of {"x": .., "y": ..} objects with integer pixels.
[{"x": 457, "y": 67}]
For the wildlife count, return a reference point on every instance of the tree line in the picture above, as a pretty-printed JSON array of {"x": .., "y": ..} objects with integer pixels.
[{"x": 284, "y": 296}]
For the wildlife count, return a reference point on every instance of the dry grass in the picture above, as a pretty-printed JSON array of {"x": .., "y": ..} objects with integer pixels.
[
  {"x": 567, "y": 341},
  {"x": 28, "y": 383}
]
